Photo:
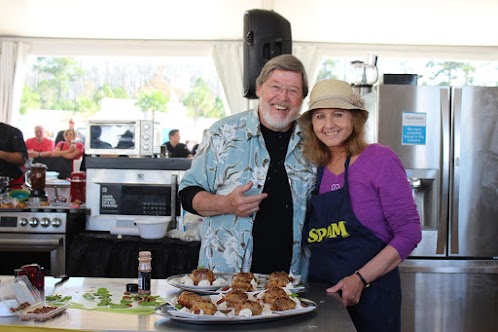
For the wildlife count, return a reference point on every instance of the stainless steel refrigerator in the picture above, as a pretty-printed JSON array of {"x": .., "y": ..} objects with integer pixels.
[{"x": 447, "y": 139}]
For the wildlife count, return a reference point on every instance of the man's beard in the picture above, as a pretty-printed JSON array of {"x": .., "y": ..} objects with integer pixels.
[{"x": 278, "y": 123}]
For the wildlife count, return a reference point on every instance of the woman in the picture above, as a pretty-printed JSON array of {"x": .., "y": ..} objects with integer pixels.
[
  {"x": 363, "y": 221},
  {"x": 68, "y": 149}
]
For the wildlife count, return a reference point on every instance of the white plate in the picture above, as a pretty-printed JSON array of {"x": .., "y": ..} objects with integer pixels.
[
  {"x": 169, "y": 311},
  {"x": 175, "y": 281}
]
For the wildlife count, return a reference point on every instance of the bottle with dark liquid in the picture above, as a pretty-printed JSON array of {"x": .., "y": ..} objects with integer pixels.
[{"x": 144, "y": 272}]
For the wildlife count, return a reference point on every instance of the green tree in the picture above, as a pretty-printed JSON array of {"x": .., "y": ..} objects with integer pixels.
[
  {"x": 327, "y": 70},
  {"x": 448, "y": 72},
  {"x": 30, "y": 99},
  {"x": 105, "y": 91},
  {"x": 55, "y": 75},
  {"x": 152, "y": 101},
  {"x": 200, "y": 102}
]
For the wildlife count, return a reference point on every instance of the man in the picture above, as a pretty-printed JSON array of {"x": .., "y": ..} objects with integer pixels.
[
  {"x": 39, "y": 143},
  {"x": 175, "y": 148},
  {"x": 95, "y": 141},
  {"x": 13, "y": 153},
  {"x": 250, "y": 181}
]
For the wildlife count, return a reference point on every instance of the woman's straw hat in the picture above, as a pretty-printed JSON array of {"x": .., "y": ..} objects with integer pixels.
[{"x": 334, "y": 94}]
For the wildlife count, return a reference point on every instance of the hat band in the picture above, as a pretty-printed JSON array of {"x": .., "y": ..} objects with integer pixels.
[{"x": 330, "y": 98}]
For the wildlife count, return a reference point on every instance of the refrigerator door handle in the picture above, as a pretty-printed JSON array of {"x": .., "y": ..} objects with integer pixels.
[
  {"x": 442, "y": 226},
  {"x": 455, "y": 173}
]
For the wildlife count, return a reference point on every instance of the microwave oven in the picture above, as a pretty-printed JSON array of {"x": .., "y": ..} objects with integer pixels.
[
  {"x": 123, "y": 138},
  {"x": 115, "y": 198}
]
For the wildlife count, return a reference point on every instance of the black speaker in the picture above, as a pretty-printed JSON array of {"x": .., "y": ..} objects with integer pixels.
[{"x": 266, "y": 35}]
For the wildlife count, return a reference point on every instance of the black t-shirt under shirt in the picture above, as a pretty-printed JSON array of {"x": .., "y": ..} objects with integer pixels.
[{"x": 273, "y": 226}]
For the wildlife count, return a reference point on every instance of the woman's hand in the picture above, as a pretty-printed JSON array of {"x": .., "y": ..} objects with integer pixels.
[{"x": 350, "y": 287}]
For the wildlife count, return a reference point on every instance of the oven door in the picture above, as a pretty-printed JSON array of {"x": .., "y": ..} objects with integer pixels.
[
  {"x": 47, "y": 250},
  {"x": 116, "y": 197}
]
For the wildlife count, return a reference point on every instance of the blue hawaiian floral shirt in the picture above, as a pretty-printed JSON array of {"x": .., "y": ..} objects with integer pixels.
[{"x": 232, "y": 153}]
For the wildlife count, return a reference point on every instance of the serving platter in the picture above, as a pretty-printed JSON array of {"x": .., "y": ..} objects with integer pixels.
[
  {"x": 296, "y": 287},
  {"x": 170, "y": 311},
  {"x": 175, "y": 281}
]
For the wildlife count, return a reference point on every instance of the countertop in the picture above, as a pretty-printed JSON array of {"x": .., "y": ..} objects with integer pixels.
[
  {"x": 139, "y": 163},
  {"x": 330, "y": 314}
]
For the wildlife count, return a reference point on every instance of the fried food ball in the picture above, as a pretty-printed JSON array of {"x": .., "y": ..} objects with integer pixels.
[
  {"x": 273, "y": 293},
  {"x": 205, "y": 305},
  {"x": 187, "y": 299},
  {"x": 283, "y": 303},
  {"x": 255, "y": 307},
  {"x": 278, "y": 279},
  {"x": 235, "y": 297},
  {"x": 242, "y": 286},
  {"x": 243, "y": 277},
  {"x": 198, "y": 275}
]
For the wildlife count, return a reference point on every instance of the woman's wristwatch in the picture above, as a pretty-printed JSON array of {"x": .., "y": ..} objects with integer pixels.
[{"x": 363, "y": 281}]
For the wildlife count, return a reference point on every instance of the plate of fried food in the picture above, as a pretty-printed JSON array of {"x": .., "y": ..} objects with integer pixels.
[
  {"x": 200, "y": 280},
  {"x": 251, "y": 282},
  {"x": 235, "y": 306}
]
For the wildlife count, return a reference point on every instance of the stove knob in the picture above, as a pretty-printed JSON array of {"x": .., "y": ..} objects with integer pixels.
[
  {"x": 33, "y": 222},
  {"x": 57, "y": 222},
  {"x": 45, "y": 222},
  {"x": 24, "y": 222}
]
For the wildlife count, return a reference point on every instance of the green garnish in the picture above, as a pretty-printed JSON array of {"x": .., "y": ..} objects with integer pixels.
[{"x": 57, "y": 298}]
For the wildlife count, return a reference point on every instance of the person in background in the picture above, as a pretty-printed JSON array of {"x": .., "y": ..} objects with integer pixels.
[
  {"x": 363, "y": 221},
  {"x": 250, "y": 181},
  {"x": 69, "y": 149},
  {"x": 126, "y": 140},
  {"x": 60, "y": 134},
  {"x": 13, "y": 154},
  {"x": 175, "y": 148},
  {"x": 95, "y": 141},
  {"x": 39, "y": 143}
]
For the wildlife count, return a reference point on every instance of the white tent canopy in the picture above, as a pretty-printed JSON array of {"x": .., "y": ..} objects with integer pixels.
[{"x": 421, "y": 22}]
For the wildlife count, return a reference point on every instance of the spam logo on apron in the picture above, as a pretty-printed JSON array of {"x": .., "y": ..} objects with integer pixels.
[{"x": 332, "y": 231}]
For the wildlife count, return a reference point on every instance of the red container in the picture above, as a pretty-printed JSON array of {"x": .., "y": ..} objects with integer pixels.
[
  {"x": 35, "y": 274},
  {"x": 78, "y": 187}
]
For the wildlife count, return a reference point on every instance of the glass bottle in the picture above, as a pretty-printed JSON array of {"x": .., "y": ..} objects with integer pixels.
[{"x": 144, "y": 272}]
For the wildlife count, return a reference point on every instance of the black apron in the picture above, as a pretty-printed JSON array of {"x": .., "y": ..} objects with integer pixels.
[{"x": 340, "y": 245}]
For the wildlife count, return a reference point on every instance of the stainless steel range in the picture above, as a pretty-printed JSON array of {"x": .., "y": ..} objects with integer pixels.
[{"x": 36, "y": 237}]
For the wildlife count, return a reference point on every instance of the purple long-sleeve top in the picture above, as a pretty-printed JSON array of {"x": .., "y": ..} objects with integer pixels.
[{"x": 381, "y": 197}]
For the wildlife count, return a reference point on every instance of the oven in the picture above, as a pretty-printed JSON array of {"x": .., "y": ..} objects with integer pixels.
[
  {"x": 117, "y": 197},
  {"x": 41, "y": 237}
]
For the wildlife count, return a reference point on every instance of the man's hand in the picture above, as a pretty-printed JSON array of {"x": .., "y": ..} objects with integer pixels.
[
  {"x": 241, "y": 205},
  {"x": 237, "y": 203}
]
